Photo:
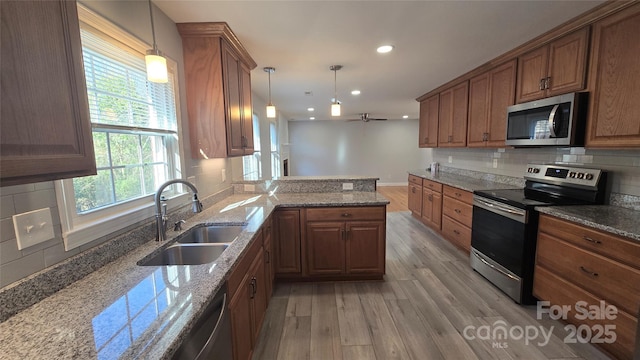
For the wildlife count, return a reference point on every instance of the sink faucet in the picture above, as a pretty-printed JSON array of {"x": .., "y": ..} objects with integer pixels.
[{"x": 161, "y": 209}]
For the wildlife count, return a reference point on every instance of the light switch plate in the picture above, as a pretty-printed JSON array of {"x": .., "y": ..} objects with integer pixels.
[
  {"x": 33, "y": 227},
  {"x": 347, "y": 186}
]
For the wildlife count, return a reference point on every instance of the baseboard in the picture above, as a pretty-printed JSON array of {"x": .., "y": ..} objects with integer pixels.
[{"x": 393, "y": 184}]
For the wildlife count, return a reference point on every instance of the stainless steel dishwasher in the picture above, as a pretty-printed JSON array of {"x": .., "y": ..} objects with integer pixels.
[{"x": 210, "y": 338}]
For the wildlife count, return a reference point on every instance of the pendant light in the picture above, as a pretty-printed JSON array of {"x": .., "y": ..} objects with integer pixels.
[
  {"x": 156, "y": 63},
  {"x": 271, "y": 110},
  {"x": 335, "y": 105}
]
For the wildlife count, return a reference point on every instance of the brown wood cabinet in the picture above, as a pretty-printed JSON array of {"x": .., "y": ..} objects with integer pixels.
[
  {"x": 267, "y": 234},
  {"x": 346, "y": 241},
  {"x": 489, "y": 96},
  {"x": 557, "y": 68},
  {"x": 613, "y": 81},
  {"x": 452, "y": 116},
  {"x": 577, "y": 263},
  {"x": 217, "y": 69},
  {"x": 415, "y": 195},
  {"x": 248, "y": 304},
  {"x": 457, "y": 210},
  {"x": 45, "y": 132},
  {"x": 432, "y": 207},
  {"x": 286, "y": 245},
  {"x": 428, "y": 125}
]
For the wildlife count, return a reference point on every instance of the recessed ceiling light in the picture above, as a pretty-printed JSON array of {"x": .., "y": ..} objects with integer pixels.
[
  {"x": 384, "y": 49},
  {"x": 405, "y": 116},
  {"x": 312, "y": 118},
  {"x": 310, "y": 109},
  {"x": 355, "y": 92}
]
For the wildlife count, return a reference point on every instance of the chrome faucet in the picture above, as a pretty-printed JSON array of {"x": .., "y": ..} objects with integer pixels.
[{"x": 161, "y": 209}]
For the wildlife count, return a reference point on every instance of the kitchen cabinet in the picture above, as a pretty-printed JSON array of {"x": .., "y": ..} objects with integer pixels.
[
  {"x": 218, "y": 86},
  {"x": 432, "y": 204},
  {"x": 489, "y": 96},
  {"x": 613, "y": 81},
  {"x": 578, "y": 263},
  {"x": 248, "y": 303},
  {"x": 415, "y": 196},
  {"x": 346, "y": 241},
  {"x": 428, "y": 125},
  {"x": 452, "y": 116},
  {"x": 267, "y": 234},
  {"x": 457, "y": 210},
  {"x": 45, "y": 132},
  {"x": 553, "y": 69},
  {"x": 287, "y": 253}
]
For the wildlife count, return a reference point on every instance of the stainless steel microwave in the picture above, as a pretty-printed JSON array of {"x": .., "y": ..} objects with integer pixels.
[{"x": 554, "y": 121}]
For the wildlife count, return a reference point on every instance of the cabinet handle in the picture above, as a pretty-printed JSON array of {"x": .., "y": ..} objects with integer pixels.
[
  {"x": 456, "y": 232},
  {"x": 253, "y": 288},
  {"x": 592, "y": 240},
  {"x": 413, "y": 190},
  {"x": 346, "y": 215},
  {"x": 267, "y": 257},
  {"x": 450, "y": 138},
  {"x": 457, "y": 211},
  {"x": 547, "y": 83},
  {"x": 430, "y": 197},
  {"x": 594, "y": 274},
  {"x": 458, "y": 194},
  {"x": 541, "y": 85}
]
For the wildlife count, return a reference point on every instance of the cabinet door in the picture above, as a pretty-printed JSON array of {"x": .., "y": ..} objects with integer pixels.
[
  {"x": 247, "y": 111},
  {"x": 436, "y": 211},
  {"x": 240, "y": 310},
  {"x": 258, "y": 297},
  {"x": 365, "y": 247},
  {"x": 567, "y": 63},
  {"x": 502, "y": 91},
  {"x": 428, "y": 126},
  {"x": 45, "y": 129},
  {"x": 427, "y": 205},
  {"x": 326, "y": 248},
  {"x": 287, "y": 242},
  {"x": 233, "y": 105},
  {"x": 532, "y": 70},
  {"x": 452, "y": 118},
  {"x": 478, "y": 110},
  {"x": 613, "y": 81},
  {"x": 445, "y": 113},
  {"x": 415, "y": 199}
]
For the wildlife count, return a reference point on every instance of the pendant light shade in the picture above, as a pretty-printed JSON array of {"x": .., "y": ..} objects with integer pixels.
[
  {"x": 156, "y": 63},
  {"x": 335, "y": 105},
  {"x": 271, "y": 109}
]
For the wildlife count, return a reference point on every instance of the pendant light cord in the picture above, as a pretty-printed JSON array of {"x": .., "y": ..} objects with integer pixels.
[
  {"x": 153, "y": 30},
  {"x": 269, "y": 87},
  {"x": 335, "y": 85}
]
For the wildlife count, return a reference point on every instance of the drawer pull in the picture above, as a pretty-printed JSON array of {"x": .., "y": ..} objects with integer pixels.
[
  {"x": 346, "y": 215},
  {"x": 456, "y": 232},
  {"x": 413, "y": 190},
  {"x": 458, "y": 194},
  {"x": 457, "y": 211},
  {"x": 592, "y": 240},
  {"x": 594, "y": 274}
]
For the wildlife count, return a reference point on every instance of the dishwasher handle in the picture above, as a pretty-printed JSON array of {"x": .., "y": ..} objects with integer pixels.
[{"x": 210, "y": 345}]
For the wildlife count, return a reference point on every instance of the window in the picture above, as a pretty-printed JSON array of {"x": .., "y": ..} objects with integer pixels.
[
  {"x": 135, "y": 135},
  {"x": 252, "y": 164},
  {"x": 275, "y": 156}
]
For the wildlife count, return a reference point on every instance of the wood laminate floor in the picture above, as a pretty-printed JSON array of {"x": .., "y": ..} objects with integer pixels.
[
  {"x": 397, "y": 195},
  {"x": 420, "y": 311}
]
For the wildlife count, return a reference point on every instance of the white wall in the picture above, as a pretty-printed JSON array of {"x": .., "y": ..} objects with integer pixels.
[{"x": 385, "y": 149}]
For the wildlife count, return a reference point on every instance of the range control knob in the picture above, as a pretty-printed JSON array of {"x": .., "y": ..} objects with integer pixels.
[
  {"x": 580, "y": 175},
  {"x": 536, "y": 170},
  {"x": 530, "y": 170},
  {"x": 588, "y": 176},
  {"x": 572, "y": 174}
]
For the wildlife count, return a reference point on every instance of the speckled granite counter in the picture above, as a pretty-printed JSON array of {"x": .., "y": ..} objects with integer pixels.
[
  {"x": 130, "y": 311},
  {"x": 614, "y": 219},
  {"x": 465, "y": 182}
]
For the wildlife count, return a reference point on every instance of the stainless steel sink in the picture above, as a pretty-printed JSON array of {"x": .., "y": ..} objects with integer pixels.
[
  {"x": 211, "y": 234},
  {"x": 186, "y": 254}
]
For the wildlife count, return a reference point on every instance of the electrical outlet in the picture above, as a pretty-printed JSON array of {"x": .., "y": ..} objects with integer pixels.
[
  {"x": 33, "y": 227},
  {"x": 495, "y": 163},
  {"x": 249, "y": 188},
  {"x": 450, "y": 159},
  {"x": 224, "y": 175},
  {"x": 347, "y": 186}
]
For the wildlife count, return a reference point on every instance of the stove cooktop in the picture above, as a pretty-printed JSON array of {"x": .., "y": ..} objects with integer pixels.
[{"x": 513, "y": 197}]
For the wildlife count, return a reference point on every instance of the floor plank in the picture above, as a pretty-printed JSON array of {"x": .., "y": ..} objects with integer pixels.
[
  {"x": 296, "y": 338},
  {"x": 353, "y": 326},
  {"x": 325, "y": 330},
  {"x": 271, "y": 332},
  {"x": 397, "y": 195},
  {"x": 362, "y": 352},
  {"x": 300, "y": 300}
]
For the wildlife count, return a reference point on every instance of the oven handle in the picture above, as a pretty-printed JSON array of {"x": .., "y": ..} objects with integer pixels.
[
  {"x": 500, "y": 208},
  {"x": 475, "y": 253}
]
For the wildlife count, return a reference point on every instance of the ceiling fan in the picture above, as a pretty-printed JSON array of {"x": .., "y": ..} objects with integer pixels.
[{"x": 365, "y": 117}]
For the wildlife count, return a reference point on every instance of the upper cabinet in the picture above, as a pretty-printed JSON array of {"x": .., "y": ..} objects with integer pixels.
[
  {"x": 614, "y": 81},
  {"x": 218, "y": 80},
  {"x": 489, "y": 95},
  {"x": 45, "y": 128},
  {"x": 428, "y": 125},
  {"x": 553, "y": 69},
  {"x": 452, "y": 117}
]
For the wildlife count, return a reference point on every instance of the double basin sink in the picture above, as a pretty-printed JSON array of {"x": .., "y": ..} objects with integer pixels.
[{"x": 196, "y": 246}]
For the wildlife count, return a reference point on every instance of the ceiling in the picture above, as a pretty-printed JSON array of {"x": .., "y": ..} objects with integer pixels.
[{"x": 434, "y": 42}]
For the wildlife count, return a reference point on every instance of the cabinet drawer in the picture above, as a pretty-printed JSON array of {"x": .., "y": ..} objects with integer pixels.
[
  {"x": 435, "y": 186},
  {"x": 242, "y": 268},
  {"x": 415, "y": 180},
  {"x": 604, "y": 243},
  {"x": 456, "y": 233},
  {"x": 462, "y": 195},
  {"x": 457, "y": 210},
  {"x": 611, "y": 280},
  {"x": 558, "y": 291},
  {"x": 346, "y": 213}
]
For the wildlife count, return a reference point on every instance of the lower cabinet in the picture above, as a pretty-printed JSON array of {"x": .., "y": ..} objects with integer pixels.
[
  {"x": 287, "y": 242},
  {"x": 579, "y": 265},
  {"x": 248, "y": 293},
  {"x": 457, "y": 209},
  {"x": 267, "y": 235},
  {"x": 432, "y": 208},
  {"x": 414, "y": 199}
]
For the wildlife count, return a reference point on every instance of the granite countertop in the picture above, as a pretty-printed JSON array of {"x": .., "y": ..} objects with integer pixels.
[
  {"x": 614, "y": 219},
  {"x": 130, "y": 311},
  {"x": 462, "y": 182}
]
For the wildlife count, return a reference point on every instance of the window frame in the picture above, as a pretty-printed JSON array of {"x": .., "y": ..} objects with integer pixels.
[{"x": 80, "y": 229}]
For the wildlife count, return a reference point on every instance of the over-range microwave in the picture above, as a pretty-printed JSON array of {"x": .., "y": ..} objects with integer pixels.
[{"x": 554, "y": 121}]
